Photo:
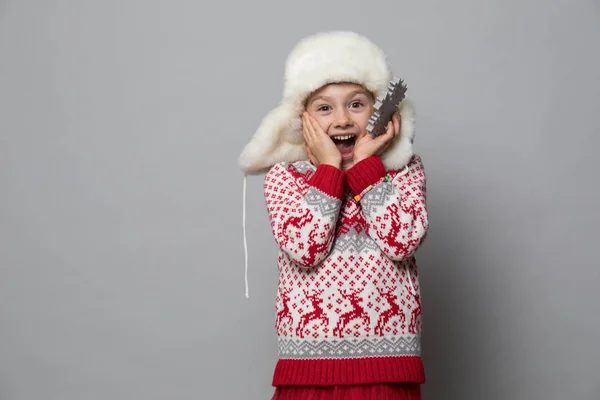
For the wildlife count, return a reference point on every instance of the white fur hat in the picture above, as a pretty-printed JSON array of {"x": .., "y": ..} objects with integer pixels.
[{"x": 317, "y": 60}]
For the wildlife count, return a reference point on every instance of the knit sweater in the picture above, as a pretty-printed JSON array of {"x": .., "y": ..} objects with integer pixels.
[{"x": 348, "y": 298}]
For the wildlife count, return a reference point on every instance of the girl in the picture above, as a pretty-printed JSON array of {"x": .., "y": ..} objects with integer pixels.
[{"x": 348, "y": 213}]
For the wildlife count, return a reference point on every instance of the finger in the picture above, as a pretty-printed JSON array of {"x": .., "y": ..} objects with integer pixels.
[
  {"x": 389, "y": 140},
  {"x": 388, "y": 135},
  {"x": 315, "y": 127},
  {"x": 304, "y": 133},
  {"x": 310, "y": 126},
  {"x": 306, "y": 129},
  {"x": 399, "y": 121},
  {"x": 310, "y": 156},
  {"x": 318, "y": 132},
  {"x": 383, "y": 147},
  {"x": 396, "y": 120},
  {"x": 309, "y": 122}
]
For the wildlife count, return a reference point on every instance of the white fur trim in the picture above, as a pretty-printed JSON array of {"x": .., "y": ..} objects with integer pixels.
[
  {"x": 278, "y": 138},
  {"x": 400, "y": 152}
]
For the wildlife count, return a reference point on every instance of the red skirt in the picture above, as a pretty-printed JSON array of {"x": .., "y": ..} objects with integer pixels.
[{"x": 384, "y": 391}]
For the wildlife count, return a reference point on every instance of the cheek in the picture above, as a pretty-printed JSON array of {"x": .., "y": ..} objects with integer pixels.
[
  {"x": 363, "y": 121},
  {"x": 323, "y": 121}
]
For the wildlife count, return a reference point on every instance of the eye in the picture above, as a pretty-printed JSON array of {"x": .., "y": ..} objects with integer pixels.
[
  {"x": 323, "y": 108},
  {"x": 356, "y": 104}
]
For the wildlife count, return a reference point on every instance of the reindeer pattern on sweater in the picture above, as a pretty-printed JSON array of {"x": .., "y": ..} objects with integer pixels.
[{"x": 348, "y": 279}]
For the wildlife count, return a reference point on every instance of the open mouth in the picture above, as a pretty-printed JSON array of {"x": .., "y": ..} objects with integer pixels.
[{"x": 345, "y": 144}]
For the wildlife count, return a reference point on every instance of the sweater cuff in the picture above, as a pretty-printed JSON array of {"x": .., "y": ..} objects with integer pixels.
[
  {"x": 366, "y": 172},
  {"x": 329, "y": 180}
]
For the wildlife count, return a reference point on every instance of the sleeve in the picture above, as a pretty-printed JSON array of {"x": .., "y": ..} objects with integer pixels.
[
  {"x": 395, "y": 210},
  {"x": 304, "y": 224}
]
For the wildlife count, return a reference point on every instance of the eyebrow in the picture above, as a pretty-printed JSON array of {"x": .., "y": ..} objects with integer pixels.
[
  {"x": 321, "y": 98},
  {"x": 351, "y": 94}
]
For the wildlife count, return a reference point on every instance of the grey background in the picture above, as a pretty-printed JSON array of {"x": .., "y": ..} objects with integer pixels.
[{"x": 121, "y": 253}]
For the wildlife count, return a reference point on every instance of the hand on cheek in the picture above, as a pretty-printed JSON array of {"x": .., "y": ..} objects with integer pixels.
[
  {"x": 319, "y": 146},
  {"x": 367, "y": 146}
]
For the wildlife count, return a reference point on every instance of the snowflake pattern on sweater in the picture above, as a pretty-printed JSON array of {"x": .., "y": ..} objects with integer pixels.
[{"x": 348, "y": 296}]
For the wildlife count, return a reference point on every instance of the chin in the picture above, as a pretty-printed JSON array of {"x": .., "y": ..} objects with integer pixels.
[{"x": 346, "y": 165}]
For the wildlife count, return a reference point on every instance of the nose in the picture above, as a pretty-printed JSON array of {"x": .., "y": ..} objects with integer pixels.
[{"x": 342, "y": 119}]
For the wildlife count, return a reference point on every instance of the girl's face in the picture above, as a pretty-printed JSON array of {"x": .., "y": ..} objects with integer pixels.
[{"x": 343, "y": 111}]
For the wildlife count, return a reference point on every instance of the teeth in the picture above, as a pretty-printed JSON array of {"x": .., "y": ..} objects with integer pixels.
[{"x": 344, "y": 137}]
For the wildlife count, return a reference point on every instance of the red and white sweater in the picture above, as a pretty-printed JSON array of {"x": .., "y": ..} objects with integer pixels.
[{"x": 348, "y": 299}]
